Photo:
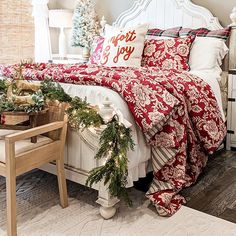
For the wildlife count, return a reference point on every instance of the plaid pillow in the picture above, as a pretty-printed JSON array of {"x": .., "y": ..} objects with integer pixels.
[
  {"x": 203, "y": 32},
  {"x": 172, "y": 32}
]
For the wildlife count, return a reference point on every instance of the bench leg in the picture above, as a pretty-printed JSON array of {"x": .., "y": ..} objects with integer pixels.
[
  {"x": 62, "y": 182},
  {"x": 11, "y": 204}
]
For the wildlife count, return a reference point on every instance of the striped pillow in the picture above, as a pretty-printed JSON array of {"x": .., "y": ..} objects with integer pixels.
[
  {"x": 170, "y": 33},
  {"x": 203, "y": 32}
]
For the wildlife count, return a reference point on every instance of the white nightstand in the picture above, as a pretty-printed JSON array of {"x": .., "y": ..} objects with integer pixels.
[
  {"x": 231, "y": 113},
  {"x": 71, "y": 59}
]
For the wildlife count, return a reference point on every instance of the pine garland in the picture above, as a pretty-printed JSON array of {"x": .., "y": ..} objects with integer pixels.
[
  {"x": 7, "y": 104},
  {"x": 82, "y": 115},
  {"x": 54, "y": 91},
  {"x": 3, "y": 86},
  {"x": 115, "y": 139}
]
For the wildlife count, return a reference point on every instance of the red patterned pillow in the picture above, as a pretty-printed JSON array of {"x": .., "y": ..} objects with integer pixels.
[
  {"x": 96, "y": 50},
  {"x": 203, "y": 32},
  {"x": 168, "y": 54}
]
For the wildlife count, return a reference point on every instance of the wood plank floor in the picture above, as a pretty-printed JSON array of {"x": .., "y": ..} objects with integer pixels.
[{"x": 215, "y": 191}]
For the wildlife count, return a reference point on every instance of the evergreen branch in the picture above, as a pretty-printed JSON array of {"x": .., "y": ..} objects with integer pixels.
[
  {"x": 3, "y": 86},
  {"x": 9, "y": 105},
  {"x": 81, "y": 115},
  {"x": 115, "y": 141},
  {"x": 54, "y": 91}
]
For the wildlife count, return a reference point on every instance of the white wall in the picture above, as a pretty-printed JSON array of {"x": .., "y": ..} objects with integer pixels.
[{"x": 219, "y": 8}]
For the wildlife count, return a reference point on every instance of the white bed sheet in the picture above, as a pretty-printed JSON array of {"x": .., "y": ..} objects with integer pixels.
[
  {"x": 211, "y": 77},
  {"x": 138, "y": 159}
]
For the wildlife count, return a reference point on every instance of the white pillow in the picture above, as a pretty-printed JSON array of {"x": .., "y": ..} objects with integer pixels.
[
  {"x": 207, "y": 54},
  {"x": 123, "y": 47}
]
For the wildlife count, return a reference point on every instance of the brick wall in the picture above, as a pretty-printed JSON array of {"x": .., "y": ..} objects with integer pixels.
[{"x": 16, "y": 31}]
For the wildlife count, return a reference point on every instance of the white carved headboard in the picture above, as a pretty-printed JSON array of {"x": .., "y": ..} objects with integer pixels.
[{"x": 167, "y": 14}]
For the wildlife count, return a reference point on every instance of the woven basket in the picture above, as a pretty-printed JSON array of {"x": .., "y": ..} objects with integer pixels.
[{"x": 13, "y": 119}]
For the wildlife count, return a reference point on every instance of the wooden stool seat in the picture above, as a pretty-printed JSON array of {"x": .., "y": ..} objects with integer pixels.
[{"x": 23, "y": 146}]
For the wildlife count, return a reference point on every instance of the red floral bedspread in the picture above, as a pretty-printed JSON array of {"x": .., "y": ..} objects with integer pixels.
[{"x": 177, "y": 112}]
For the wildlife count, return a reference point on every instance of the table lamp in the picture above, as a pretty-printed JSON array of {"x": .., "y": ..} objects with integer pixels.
[{"x": 61, "y": 18}]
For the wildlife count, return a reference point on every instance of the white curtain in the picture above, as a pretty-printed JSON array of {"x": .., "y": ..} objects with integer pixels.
[{"x": 43, "y": 51}]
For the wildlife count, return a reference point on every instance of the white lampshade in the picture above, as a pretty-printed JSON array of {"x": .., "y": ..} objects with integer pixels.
[{"x": 60, "y": 18}]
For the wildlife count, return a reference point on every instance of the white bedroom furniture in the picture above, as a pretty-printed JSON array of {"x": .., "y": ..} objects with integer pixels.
[
  {"x": 233, "y": 16},
  {"x": 19, "y": 155},
  {"x": 61, "y": 18},
  {"x": 70, "y": 59},
  {"x": 42, "y": 51},
  {"x": 231, "y": 114},
  {"x": 81, "y": 146}
]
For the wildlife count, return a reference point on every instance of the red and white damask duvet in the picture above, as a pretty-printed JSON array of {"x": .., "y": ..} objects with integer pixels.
[{"x": 176, "y": 111}]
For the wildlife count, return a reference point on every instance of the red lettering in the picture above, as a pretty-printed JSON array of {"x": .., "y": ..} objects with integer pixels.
[
  {"x": 105, "y": 55},
  {"x": 125, "y": 51},
  {"x": 114, "y": 40},
  {"x": 129, "y": 51},
  {"x": 122, "y": 37},
  {"x": 128, "y": 37},
  {"x": 132, "y": 36}
]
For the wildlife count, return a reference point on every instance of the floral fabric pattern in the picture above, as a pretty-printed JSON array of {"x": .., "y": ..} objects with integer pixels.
[
  {"x": 176, "y": 111},
  {"x": 97, "y": 51},
  {"x": 167, "y": 54}
]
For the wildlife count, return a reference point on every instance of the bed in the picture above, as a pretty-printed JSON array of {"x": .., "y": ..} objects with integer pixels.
[{"x": 82, "y": 146}]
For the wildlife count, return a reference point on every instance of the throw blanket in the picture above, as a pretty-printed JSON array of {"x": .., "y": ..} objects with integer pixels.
[{"x": 176, "y": 111}]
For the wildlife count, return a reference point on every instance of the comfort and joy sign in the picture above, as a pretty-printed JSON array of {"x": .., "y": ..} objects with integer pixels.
[{"x": 119, "y": 47}]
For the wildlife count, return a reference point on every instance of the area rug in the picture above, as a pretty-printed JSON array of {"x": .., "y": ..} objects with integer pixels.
[{"x": 39, "y": 213}]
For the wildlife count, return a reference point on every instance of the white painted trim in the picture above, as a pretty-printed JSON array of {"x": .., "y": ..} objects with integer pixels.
[
  {"x": 186, "y": 5},
  {"x": 42, "y": 48},
  {"x": 231, "y": 138},
  {"x": 137, "y": 7}
]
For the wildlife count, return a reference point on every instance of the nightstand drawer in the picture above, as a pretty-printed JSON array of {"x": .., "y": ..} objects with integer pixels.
[
  {"x": 71, "y": 59},
  {"x": 66, "y": 61},
  {"x": 231, "y": 113}
]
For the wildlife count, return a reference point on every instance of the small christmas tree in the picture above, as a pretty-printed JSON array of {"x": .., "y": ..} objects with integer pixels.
[{"x": 85, "y": 24}]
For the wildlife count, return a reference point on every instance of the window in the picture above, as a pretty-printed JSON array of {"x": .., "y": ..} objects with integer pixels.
[{"x": 16, "y": 31}]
